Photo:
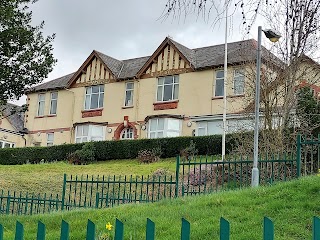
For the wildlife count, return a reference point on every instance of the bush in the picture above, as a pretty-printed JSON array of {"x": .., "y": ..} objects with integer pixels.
[
  {"x": 189, "y": 152},
  {"x": 149, "y": 155},
  {"x": 84, "y": 156},
  {"x": 123, "y": 149}
]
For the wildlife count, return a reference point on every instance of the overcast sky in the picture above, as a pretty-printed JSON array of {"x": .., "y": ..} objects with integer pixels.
[{"x": 122, "y": 29}]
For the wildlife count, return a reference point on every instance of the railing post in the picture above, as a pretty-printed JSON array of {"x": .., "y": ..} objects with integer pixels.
[
  {"x": 185, "y": 230},
  {"x": 298, "y": 155},
  {"x": 41, "y": 233},
  {"x": 1, "y": 232},
  {"x": 19, "y": 231},
  {"x": 177, "y": 176},
  {"x": 150, "y": 233},
  {"x": 8, "y": 204},
  {"x": 119, "y": 230},
  {"x": 224, "y": 229},
  {"x": 91, "y": 231},
  {"x": 316, "y": 228},
  {"x": 64, "y": 230},
  {"x": 97, "y": 199},
  {"x": 268, "y": 230},
  {"x": 63, "y": 191}
]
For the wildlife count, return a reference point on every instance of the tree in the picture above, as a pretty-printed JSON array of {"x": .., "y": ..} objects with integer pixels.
[
  {"x": 308, "y": 112},
  {"x": 298, "y": 21},
  {"x": 25, "y": 54}
]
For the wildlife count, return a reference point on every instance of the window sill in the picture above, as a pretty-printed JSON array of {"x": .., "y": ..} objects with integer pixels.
[
  {"x": 219, "y": 97},
  {"x": 92, "y": 112},
  {"x": 235, "y": 96},
  {"x": 166, "y": 105},
  {"x": 231, "y": 96},
  {"x": 125, "y": 107},
  {"x": 171, "y": 101},
  {"x": 45, "y": 116}
]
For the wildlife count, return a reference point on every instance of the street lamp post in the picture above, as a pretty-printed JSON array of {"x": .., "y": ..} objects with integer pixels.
[{"x": 273, "y": 37}]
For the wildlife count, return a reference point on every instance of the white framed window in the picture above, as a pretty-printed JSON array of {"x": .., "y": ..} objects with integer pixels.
[
  {"x": 53, "y": 103},
  {"x": 50, "y": 137},
  {"x": 127, "y": 133},
  {"x": 219, "y": 86},
  {"x": 41, "y": 104},
  {"x": 129, "y": 94},
  {"x": 164, "y": 127},
  {"x": 89, "y": 132},
  {"x": 238, "y": 82},
  {"x": 5, "y": 144},
  {"x": 209, "y": 128},
  {"x": 168, "y": 88},
  {"x": 94, "y": 97}
]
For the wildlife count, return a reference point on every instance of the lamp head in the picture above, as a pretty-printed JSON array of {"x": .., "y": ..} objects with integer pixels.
[{"x": 272, "y": 35}]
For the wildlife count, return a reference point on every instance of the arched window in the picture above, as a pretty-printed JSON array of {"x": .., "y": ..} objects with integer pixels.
[{"x": 127, "y": 133}]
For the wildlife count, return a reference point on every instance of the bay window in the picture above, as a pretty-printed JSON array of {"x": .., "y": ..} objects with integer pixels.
[
  {"x": 164, "y": 127},
  {"x": 89, "y": 132}
]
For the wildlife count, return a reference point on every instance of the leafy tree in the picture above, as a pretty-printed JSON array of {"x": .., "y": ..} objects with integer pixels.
[
  {"x": 308, "y": 111},
  {"x": 25, "y": 54}
]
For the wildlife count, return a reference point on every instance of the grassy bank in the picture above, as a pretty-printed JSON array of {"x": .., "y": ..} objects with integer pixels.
[
  {"x": 290, "y": 205},
  {"x": 48, "y": 177}
]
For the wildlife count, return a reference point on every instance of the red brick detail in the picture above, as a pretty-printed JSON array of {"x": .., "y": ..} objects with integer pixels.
[
  {"x": 126, "y": 118},
  {"x": 165, "y": 105},
  {"x": 91, "y": 113},
  {"x": 50, "y": 130},
  {"x": 119, "y": 129}
]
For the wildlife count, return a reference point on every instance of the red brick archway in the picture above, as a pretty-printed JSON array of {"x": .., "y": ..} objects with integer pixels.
[{"x": 119, "y": 129}]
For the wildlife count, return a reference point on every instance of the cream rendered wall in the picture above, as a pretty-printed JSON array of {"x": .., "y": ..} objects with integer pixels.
[
  {"x": 61, "y": 122},
  {"x": 196, "y": 97},
  {"x": 10, "y": 137}
]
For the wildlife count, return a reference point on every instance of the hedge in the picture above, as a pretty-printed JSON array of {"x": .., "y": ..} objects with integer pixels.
[{"x": 106, "y": 150}]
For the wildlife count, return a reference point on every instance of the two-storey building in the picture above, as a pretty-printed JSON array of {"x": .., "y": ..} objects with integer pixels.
[{"x": 176, "y": 91}]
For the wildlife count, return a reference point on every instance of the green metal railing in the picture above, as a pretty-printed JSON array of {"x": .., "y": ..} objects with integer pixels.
[
  {"x": 308, "y": 154},
  {"x": 199, "y": 175},
  {"x": 205, "y": 175},
  {"x": 268, "y": 230},
  {"x": 107, "y": 191},
  {"x": 28, "y": 204}
]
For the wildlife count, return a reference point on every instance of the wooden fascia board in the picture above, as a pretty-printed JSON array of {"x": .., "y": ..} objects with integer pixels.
[
  {"x": 157, "y": 52},
  {"x": 84, "y": 65}
]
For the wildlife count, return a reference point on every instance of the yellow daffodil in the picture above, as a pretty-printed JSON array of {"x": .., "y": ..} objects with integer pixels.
[{"x": 108, "y": 226}]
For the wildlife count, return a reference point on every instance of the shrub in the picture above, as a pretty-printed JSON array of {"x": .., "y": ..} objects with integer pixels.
[
  {"x": 149, "y": 155},
  {"x": 189, "y": 152},
  {"x": 83, "y": 156}
]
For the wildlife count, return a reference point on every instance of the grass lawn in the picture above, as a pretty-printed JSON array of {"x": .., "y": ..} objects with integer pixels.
[
  {"x": 48, "y": 177},
  {"x": 290, "y": 205}
]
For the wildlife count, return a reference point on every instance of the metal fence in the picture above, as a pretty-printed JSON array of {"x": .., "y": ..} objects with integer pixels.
[
  {"x": 107, "y": 191},
  {"x": 28, "y": 204},
  {"x": 268, "y": 230},
  {"x": 308, "y": 154},
  {"x": 199, "y": 175},
  {"x": 205, "y": 175}
]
